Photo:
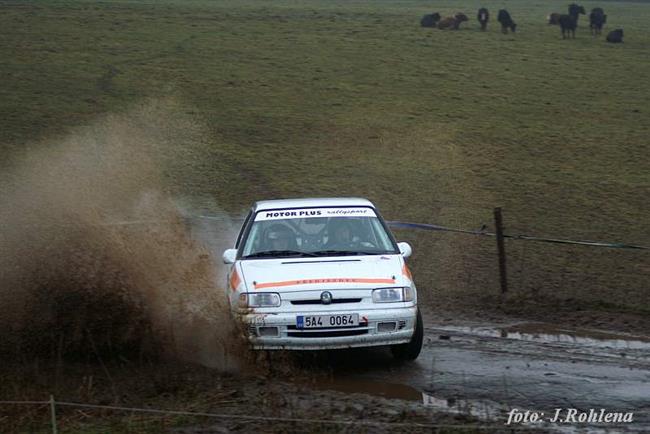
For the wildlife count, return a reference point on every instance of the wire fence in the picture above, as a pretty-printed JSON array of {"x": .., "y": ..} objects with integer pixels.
[
  {"x": 303, "y": 424},
  {"x": 53, "y": 422},
  {"x": 597, "y": 286},
  {"x": 484, "y": 232}
]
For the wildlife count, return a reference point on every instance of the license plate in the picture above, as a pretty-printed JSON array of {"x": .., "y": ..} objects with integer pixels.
[{"x": 318, "y": 321}]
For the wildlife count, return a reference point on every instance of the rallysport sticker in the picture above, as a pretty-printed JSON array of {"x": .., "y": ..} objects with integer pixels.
[
  {"x": 321, "y": 281},
  {"x": 314, "y": 213}
]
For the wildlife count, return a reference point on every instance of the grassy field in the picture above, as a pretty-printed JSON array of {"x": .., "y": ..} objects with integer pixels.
[
  {"x": 319, "y": 98},
  {"x": 177, "y": 387}
]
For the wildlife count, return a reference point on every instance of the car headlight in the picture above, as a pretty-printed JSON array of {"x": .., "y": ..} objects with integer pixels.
[
  {"x": 392, "y": 295},
  {"x": 260, "y": 299}
]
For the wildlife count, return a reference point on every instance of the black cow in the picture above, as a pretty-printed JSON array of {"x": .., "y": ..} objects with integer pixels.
[
  {"x": 554, "y": 19},
  {"x": 568, "y": 25},
  {"x": 615, "y": 36},
  {"x": 430, "y": 20},
  {"x": 506, "y": 21},
  {"x": 575, "y": 11},
  {"x": 483, "y": 17},
  {"x": 597, "y": 19}
]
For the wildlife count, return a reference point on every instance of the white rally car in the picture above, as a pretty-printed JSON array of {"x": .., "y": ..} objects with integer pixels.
[{"x": 312, "y": 274}]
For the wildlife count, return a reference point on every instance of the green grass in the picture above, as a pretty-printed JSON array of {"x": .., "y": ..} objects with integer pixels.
[{"x": 326, "y": 98}]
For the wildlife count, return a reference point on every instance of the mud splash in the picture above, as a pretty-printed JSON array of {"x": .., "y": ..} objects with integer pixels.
[{"x": 97, "y": 257}]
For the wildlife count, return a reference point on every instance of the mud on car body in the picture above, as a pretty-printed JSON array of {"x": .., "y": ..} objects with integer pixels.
[{"x": 312, "y": 274}]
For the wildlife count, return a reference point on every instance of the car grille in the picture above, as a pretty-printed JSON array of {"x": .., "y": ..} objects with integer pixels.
[
  {"x": 334, "y": 301},
  {"x": 327, "y": 333},
  {"x": 324, "y": 332}
]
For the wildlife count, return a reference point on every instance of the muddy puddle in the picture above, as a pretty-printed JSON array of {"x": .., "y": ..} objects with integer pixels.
[
  {"x": 388, "y": 390},
  {"x": 549, "y": 333},
  {"x": 488, "y": 412},
  {"x": 486, "y": 370}
]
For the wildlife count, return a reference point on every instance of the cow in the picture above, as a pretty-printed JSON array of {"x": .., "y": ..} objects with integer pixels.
[
  {"x": 430, "y": 20},
  {"x": 452, "y": 23},
  {"x": 554, "y": 19},
  {"x": 483, "y": 17},
  {"x": 615, "y": 36},
  {"x": 460, "y": 17},
  {"x": 506, "y": 21},
  {"x": 597, "y": 19},
  {"x": 575, "y": 11},
  {"x": 568, "y": 25}
]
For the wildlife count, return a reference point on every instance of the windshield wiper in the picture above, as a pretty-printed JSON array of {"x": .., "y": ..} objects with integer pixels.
[
  {"x": 346, "y": 253},
  {"x": 279, "y": 253},
  {"x": 331, "y": 252}
]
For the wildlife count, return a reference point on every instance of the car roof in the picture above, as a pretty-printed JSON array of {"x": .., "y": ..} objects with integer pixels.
[{"x": 264, "y": 205}]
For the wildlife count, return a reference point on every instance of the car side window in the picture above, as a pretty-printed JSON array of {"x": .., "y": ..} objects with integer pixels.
[{"x": 243, "y": 229}]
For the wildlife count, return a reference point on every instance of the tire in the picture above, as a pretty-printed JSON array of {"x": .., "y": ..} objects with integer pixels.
[{"x": 411, "y": 349}]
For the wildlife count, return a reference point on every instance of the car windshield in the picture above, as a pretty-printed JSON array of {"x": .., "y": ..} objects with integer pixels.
[{"x": 314, "y": 232}]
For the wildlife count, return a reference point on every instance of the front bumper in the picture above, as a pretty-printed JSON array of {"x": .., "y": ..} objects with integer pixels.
[{"x": 374, "y": 329}]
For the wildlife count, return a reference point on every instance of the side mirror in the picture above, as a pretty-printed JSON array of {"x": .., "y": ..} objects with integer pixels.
[
  {"x": 405, "y": 249},
  {"x": 229, "y": 256}
]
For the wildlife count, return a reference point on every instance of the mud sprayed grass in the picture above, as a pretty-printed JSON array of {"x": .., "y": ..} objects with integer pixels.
[
  {"x": 189, "y": 388},
  {"x": 354, "y": 98}
]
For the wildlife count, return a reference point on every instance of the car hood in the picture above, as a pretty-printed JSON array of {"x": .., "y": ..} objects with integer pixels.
[{"x": 300, "y": 274}]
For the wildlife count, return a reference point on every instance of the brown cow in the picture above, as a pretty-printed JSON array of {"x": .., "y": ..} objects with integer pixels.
[{"x": 452, "y": 23}]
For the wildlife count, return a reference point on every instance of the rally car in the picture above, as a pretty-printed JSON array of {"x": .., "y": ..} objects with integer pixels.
[{"x": 314, "y": 274}]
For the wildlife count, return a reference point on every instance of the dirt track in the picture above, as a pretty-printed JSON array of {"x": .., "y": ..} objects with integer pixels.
[{"x": 487, "y": 371}]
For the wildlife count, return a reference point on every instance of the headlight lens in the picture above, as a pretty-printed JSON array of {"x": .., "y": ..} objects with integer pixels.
[
  {"x": 392, "y": 295},
  {"x": 261, "y": 299}
]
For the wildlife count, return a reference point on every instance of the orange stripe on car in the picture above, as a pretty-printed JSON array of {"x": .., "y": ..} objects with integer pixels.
[
  {"x": 407, "y": 272},
  {"x": 319, "y": 281},
  {"x": 234, "y": 279}
]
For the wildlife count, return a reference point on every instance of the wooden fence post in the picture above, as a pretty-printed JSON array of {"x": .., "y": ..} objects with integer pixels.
[
  {"x": 498, "y": 223},
  {"x": 53, "y": 414}
]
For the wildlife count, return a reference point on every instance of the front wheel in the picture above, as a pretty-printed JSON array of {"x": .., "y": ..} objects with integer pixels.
[{"x": 411, "y": 349}]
